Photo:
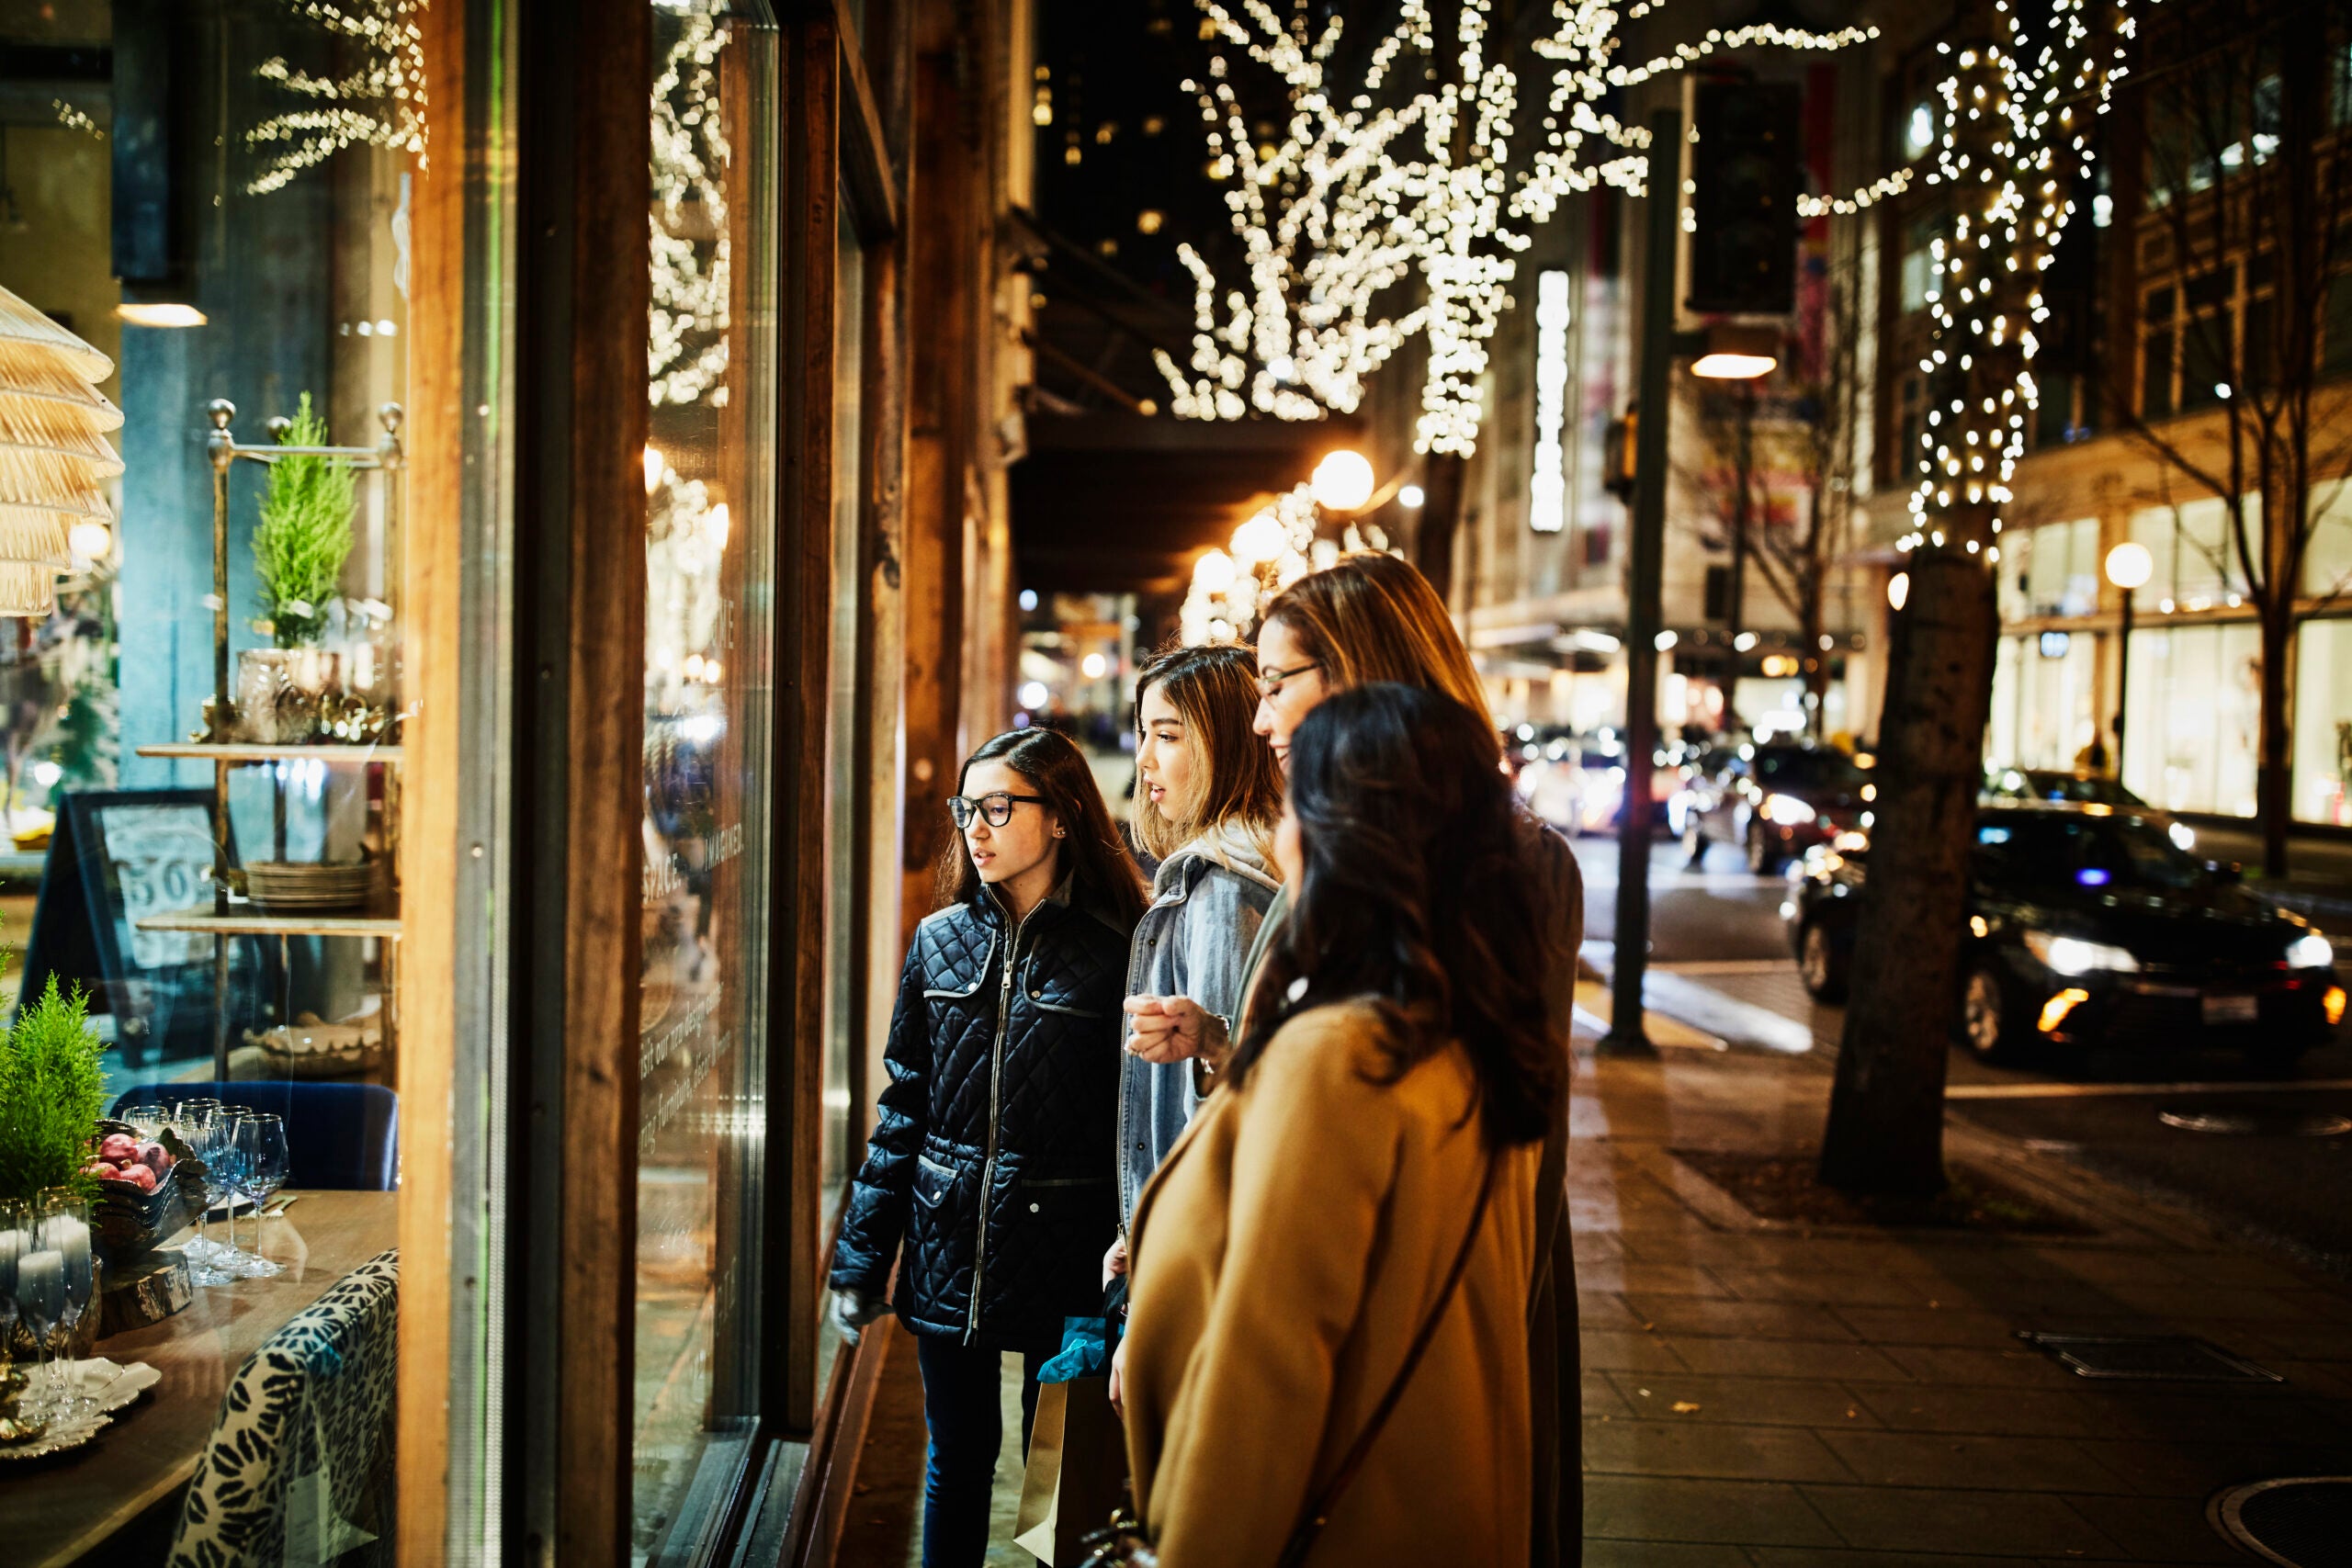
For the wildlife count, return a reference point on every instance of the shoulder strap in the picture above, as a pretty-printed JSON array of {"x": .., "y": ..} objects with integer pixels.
[{"x": 1318, "y": 1511}]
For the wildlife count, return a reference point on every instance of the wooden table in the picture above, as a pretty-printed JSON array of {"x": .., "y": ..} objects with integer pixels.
[{"x": 53, "y": 1510}]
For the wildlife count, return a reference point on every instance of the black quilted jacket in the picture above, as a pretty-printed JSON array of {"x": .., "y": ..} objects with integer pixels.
[{"x": 993, "y": 1156}]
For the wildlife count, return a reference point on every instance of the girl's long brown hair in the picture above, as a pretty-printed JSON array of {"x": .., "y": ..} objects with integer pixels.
[
  {"x": 1369, "y": 617},
  {"x": 1414, "y": 896},
  {"x": 1104, "y": 877},
  {"x": 1215, "y": 690}
]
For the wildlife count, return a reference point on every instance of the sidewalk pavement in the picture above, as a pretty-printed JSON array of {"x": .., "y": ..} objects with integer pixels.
[{"x": 1767, "y": 1395}]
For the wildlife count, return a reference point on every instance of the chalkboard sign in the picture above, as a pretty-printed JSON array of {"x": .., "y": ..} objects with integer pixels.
[{"x": 116, "y": 857}]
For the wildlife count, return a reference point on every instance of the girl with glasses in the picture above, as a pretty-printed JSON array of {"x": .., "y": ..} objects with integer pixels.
[
  {"x": 1207, "y": 795},
  {"x": 991, "y": 1176}
]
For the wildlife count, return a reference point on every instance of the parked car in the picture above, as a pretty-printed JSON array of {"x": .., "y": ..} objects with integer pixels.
[
  {"x": 1775, "y": 800},
  {"x": 2080, "y": 789},
  {"x": 2087, "y": 923}
]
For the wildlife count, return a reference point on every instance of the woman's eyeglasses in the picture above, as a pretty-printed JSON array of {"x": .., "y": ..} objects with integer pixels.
[
  {"x": 1270, "y": 681},
  {"x": 997, "y": 807}
]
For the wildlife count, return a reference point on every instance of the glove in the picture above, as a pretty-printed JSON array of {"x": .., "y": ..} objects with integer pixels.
[{"x": 853, "y": 1309}]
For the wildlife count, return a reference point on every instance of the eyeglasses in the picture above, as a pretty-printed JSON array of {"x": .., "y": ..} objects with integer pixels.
[
  {"x": 996, "y": 808},
  {"x": 1270, "y": 681}
]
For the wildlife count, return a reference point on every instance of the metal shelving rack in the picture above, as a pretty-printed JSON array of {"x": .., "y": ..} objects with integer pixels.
[{"x": 235, "y": 917}]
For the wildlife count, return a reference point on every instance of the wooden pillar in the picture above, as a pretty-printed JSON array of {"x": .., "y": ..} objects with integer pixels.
[
  {"x": 943, "y": 313},
  {"x": 430, "y": 611},
  {"x": 581, "y": 429},
  {"x": 796, "y": 1224},
  {"x": 881, "y": 892}
]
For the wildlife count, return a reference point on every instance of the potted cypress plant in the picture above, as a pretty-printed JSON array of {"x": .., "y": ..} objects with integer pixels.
[
  {"x": 51, "y": 1094},
  {"x": 300, "y": 546}
]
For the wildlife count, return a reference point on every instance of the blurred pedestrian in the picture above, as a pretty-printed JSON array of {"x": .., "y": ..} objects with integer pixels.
[
  {"x": 1330, "y": 1273},
  {"x": 992, "y": 1173},
  {"x": 1208, "y": 798}
]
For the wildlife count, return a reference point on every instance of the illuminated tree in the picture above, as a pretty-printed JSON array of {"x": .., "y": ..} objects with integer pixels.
[{"x": 2014, "y": 143}]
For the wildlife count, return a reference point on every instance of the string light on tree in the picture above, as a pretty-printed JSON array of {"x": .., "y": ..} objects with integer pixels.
[
  {"x": 2011, "y": 144},
  {"x": 1366, "y": 188},
  {"x": 379, "y": 102}
]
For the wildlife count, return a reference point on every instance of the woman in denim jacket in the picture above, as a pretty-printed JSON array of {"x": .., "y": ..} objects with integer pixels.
[{"x": 1207, "y": 795}]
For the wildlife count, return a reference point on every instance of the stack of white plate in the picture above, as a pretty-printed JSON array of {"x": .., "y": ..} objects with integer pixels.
[{"x": 290, "y": 888}]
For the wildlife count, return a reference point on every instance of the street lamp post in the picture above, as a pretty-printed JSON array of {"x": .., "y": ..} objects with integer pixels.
[
  {"x": 1723, "y": 351},
  {"x": 2128, "y": 566}
]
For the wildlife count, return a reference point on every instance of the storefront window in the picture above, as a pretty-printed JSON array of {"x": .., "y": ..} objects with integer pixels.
[
  {"x": 2189, "y": 739},
  {"x": 2195, "y": 552},
  {"x": 2042, "y": 713},
  {"x": 2061, "y": 568},
  {"x": 2324, "y": 723},
  {"x": 710, "y": 695}
]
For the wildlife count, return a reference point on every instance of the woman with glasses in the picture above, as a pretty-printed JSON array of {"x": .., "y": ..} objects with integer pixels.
[
  {"x": 991, "y": 1176},
  {"x": 1367, "y": 618},
  {"x": 1206, "y": 797},
  {"x": 1331, "y": 1272}
]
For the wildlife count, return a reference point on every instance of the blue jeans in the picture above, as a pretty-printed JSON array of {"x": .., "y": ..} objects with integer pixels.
[{"x": 963, "y": 1407}]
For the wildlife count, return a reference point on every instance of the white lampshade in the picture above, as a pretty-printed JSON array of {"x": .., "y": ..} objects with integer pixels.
[{"x": 54, "y": 459}]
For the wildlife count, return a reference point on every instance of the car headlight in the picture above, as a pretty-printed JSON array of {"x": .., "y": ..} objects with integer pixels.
[
  {"x": 2310, "y": 951},
  {"x": 2184, "y": 837},
  {"x": 1853, "y": 839},
  {"x": 2071, "y": 955},
  {"x": 1787, "y": 810}
]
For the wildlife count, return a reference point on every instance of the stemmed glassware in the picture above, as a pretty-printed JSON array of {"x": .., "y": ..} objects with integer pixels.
[
  {"x": 64, "y": 1229},
  {"x": 15, "y": 1239},
  {"x": 41, "y": 1303},
  {"x": 203, "y": 1126},
  {"x": 260, "y": 1163},
  {"x": 148, "y": 1119}
]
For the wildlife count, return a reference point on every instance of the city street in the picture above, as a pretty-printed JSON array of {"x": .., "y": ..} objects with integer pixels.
[{"x": 1721, "y": 963}]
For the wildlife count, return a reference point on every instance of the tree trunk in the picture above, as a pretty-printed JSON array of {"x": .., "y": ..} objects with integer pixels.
[
  {"x": 1442, "y": 488},
  {"x": 1886, "y": 1128},
  {"x": 2274, "y": 771},
  {"x": 1814, "y": 662}
]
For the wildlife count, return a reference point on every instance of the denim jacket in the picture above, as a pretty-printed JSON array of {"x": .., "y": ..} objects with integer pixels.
[{"x": 1207, "y": 902}]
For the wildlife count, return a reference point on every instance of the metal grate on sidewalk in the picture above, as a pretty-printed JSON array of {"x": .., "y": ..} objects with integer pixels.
[
  {"x": 2147, "y": 1358},
  {"x": 2301, "y": 1521}
]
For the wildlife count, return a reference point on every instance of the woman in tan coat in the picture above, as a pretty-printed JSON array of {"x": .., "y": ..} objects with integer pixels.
[{"x": 1364, "y": 1182}]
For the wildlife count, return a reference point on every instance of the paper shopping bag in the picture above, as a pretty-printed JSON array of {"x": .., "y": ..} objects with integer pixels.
[{"x": 1076, "y": 1473}]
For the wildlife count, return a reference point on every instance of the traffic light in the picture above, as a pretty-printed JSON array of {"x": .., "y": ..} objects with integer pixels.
[{"x": 1744, "y": 203}]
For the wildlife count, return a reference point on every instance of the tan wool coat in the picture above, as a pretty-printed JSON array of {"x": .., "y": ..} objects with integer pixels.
[{"x": 1281, "y": 1262}]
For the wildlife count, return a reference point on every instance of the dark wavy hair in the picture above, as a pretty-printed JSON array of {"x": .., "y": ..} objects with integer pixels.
[
  {"x": 1412, "y": 894},
  {"x": 1214, "y": 688},
  {"x": 1106, "y": 877}
]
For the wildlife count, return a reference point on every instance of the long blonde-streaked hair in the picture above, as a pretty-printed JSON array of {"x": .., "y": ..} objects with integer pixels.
[
  {"x": 1369, "y": 617},
  {"x": 1214, "y": 690}
]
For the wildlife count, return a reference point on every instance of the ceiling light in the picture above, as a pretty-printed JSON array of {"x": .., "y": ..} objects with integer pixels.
[{"x": 160, "y": 315}]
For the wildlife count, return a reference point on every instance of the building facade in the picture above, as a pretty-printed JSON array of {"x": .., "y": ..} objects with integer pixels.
[{"x": 675, "y": 585}]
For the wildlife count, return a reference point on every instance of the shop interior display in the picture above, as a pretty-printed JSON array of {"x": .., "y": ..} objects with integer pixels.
[{"x": 324, "y": 693}]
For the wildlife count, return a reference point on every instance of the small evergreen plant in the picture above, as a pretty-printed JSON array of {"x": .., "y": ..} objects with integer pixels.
[
  {"x": 51, "y": 1094},
  {"x": 304, "y": 535}
]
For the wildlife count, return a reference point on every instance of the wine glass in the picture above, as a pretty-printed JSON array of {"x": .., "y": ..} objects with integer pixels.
[
  {"x": 225, "y": 1157},
  {"x": 148, "y": 1119},
  {"x": 65, "y": 1228},
  {"x": 40, "y": 1299},
  {"x": 15, "y": 1239},
  {"x": 201, "y": 1125},
  {"x": 261, "y": 1170}
]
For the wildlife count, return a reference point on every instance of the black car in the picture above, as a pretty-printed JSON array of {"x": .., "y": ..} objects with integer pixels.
[
  {"x": 2081, "y": 788},
  {"x": 2089, "y": 924},
  {"x": 1775, "y": 800}
]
